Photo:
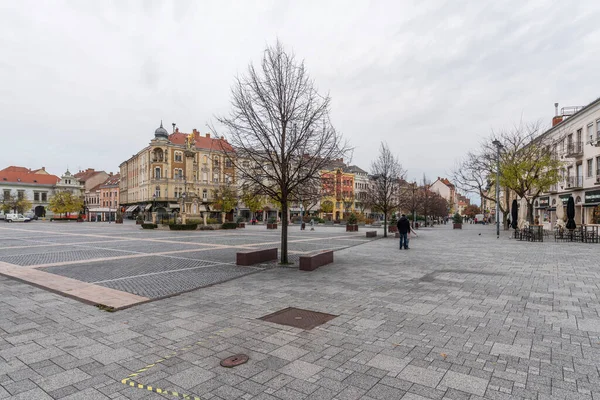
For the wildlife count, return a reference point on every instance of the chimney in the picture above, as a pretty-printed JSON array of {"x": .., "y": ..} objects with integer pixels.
[
  {"x": 208, "y": 135},
  {"x": 43, "y": 168},
  {"x": 176, "y": 130},
  {"x": 557, "y": 119}
]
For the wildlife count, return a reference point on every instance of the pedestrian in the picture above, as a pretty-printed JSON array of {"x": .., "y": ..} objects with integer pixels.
[{"x": 403, "y": 229}]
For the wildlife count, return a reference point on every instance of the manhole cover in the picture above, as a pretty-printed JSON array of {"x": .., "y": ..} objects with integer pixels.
[
  {"x": 234, "y": 361},
  {"x": 298, "y": 318}
]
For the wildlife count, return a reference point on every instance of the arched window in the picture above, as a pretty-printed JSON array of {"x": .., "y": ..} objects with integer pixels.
[{"x": 204, "y": 194}]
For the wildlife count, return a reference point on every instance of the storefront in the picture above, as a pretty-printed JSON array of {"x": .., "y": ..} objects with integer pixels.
[
  {"x": 542, "y": 209},
  {"x": 591, "y": 205}
]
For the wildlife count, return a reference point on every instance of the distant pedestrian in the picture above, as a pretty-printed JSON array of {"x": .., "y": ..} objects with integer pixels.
[{"x": 403, "y": 229}]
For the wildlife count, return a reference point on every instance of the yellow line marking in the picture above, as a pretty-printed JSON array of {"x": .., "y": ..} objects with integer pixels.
[{"x": 133, "y": 384}]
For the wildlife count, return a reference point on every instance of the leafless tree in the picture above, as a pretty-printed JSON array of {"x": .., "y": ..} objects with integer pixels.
[
  {"x": 387, "y": 177},
  {"x": 280, "y": 125},
  {"x": 528, "y": 166}
]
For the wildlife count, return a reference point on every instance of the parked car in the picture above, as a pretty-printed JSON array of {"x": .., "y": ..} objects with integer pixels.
[
  {"x": 31, "y": 216},
  {"x": 16, "y": 218}
]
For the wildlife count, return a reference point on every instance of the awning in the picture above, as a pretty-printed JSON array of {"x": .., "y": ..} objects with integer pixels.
[
  {"x": 131, "y": 208},
  {"x": 551, "y": 209},
  {"x": 102, "y": 209},
  {"x": 591, "y": 204},
  {"x": 174, "y": 205},
  {"x": 148, "y": 207}
]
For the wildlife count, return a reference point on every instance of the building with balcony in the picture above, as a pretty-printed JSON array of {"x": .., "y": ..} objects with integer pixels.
[
  {"x": 337, "y": 185},
  {"x": 174, "y": 173},
  {"x": 575, "y": 140}
]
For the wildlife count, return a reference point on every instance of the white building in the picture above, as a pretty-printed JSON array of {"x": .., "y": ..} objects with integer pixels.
[
  {"x": 447, "y": 190},
  {"x": 37, "y": 186},
  {"x": 575, "y": 138}
]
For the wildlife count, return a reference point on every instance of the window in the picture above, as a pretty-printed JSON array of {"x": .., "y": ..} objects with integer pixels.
[
  {"x": 6, "y": 194},
  {"x": 204, "y": 194},
  {"x": 20, "y": 194},
  {"x": 215, "y": 162},
  {"x": 205, "y": 177},
  {"x": 590, "y": 132},
  {"x": 598, "y": 130},
  {"x": 44, "y": 196},
  {"x": 178, "y": 156},
  {"x": 597, "y": 166},
  {"x": 157, "y": 192},
  {"x": 590, "y": 168},
  {"x": 216, "y": 177},
  {"x": 228, "y": 164},
  {"x": 36, "y": 196},
  {"x": 157, "y": 172}
]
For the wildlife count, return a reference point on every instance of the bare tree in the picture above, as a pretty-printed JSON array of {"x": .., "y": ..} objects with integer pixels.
[
  {"x": 280, "y": 125},
  {"x": 528, "y": 166},
  {"x": 387, "y": 176}
]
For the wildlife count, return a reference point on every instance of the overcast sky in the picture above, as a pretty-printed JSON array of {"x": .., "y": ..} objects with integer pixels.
[{"x": 86, "y": 83}]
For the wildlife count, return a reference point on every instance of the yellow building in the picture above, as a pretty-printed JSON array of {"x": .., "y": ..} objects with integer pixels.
[
  {"x": 338, "y": 189},
  {"x": 173, "y": 170}
]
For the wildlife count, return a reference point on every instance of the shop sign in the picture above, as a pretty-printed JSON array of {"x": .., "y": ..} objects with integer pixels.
[
  {"x": 592, "y": 196},
  {"x": 544, "y": 202},
  {"x": 565, "y": 198}
]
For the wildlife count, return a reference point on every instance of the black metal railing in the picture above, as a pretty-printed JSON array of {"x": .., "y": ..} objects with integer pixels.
[
  {"x": 574, "y": 148},
  {"x": 574, "y": 181}
]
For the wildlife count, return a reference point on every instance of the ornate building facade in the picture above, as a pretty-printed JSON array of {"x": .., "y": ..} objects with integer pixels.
[{"x": 176, "y": 172}]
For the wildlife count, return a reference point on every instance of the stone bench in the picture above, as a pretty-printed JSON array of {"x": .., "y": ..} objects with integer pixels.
[
  {"x": 310, "y": 263},
  {"x": 256, "y": 256},
  {"x": 371, "y": 233}
]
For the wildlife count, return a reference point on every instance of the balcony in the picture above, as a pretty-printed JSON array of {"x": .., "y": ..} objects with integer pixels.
[
  {"x": 575, "y": 149},
  {"x": 574, "y": 182}
]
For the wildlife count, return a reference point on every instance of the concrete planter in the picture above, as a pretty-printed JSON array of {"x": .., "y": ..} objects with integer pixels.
[
  {"x": 456, "y": 226},
  {"x": 351, "y": 228},
  {"x": 392, "y": 228},
  {"x": 241, "y": 225},
  {"x": 271, "y": 226}
]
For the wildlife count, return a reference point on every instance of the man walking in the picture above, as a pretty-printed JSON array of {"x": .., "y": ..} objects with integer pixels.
[{"x": 403, "y": 229}]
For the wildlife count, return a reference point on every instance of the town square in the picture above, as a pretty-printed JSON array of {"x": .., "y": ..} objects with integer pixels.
[{"x": 299, "y": 200}]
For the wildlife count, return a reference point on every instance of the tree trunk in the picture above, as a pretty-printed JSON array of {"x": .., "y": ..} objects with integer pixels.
[
  {"x": 385, "y": 227},
  {"x": 284, "y": 230},
  {"x": 530, "y": 212}
]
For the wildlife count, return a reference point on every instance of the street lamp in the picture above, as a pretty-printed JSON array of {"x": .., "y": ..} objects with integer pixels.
[
  {"x": 498, "y": 147},
  {"x": 154, "y": 202}
]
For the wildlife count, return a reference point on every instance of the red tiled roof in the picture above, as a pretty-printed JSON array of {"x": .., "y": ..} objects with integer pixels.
[
  {"x": 25, "y": 175},
  {"x": 112, "y": 180},
  {"x": 83, "y": 176},
  {"x": 201, "y": 142}
]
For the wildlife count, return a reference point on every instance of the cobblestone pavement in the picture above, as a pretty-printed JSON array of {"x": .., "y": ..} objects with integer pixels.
[
  {"x": 153, "y": 264},
  {"x": 458, "y": 316}
]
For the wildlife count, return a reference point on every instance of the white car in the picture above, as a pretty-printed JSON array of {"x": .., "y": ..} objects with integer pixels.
[{"x": 16, "y": 218}]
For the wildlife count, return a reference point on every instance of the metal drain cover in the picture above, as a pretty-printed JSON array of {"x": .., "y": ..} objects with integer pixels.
[
  {"x": 298, "y": 318},
  {"x": 234, "y": 361}
]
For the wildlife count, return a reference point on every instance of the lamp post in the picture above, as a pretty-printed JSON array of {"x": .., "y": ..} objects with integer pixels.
[
  {"x": 414, "y": 205},
  {"x": 154, "y": 202},
  {"x": 498, "y": 147}
]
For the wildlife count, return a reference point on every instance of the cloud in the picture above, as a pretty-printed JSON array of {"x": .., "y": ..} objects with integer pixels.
[{"x": 86, "y": 83}]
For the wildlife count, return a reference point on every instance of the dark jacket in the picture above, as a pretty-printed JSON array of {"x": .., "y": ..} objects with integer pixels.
[{"x": 403, "y": 225}]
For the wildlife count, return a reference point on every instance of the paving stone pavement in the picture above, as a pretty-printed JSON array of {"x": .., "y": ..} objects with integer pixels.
[{"x": 458, "y": 316}]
